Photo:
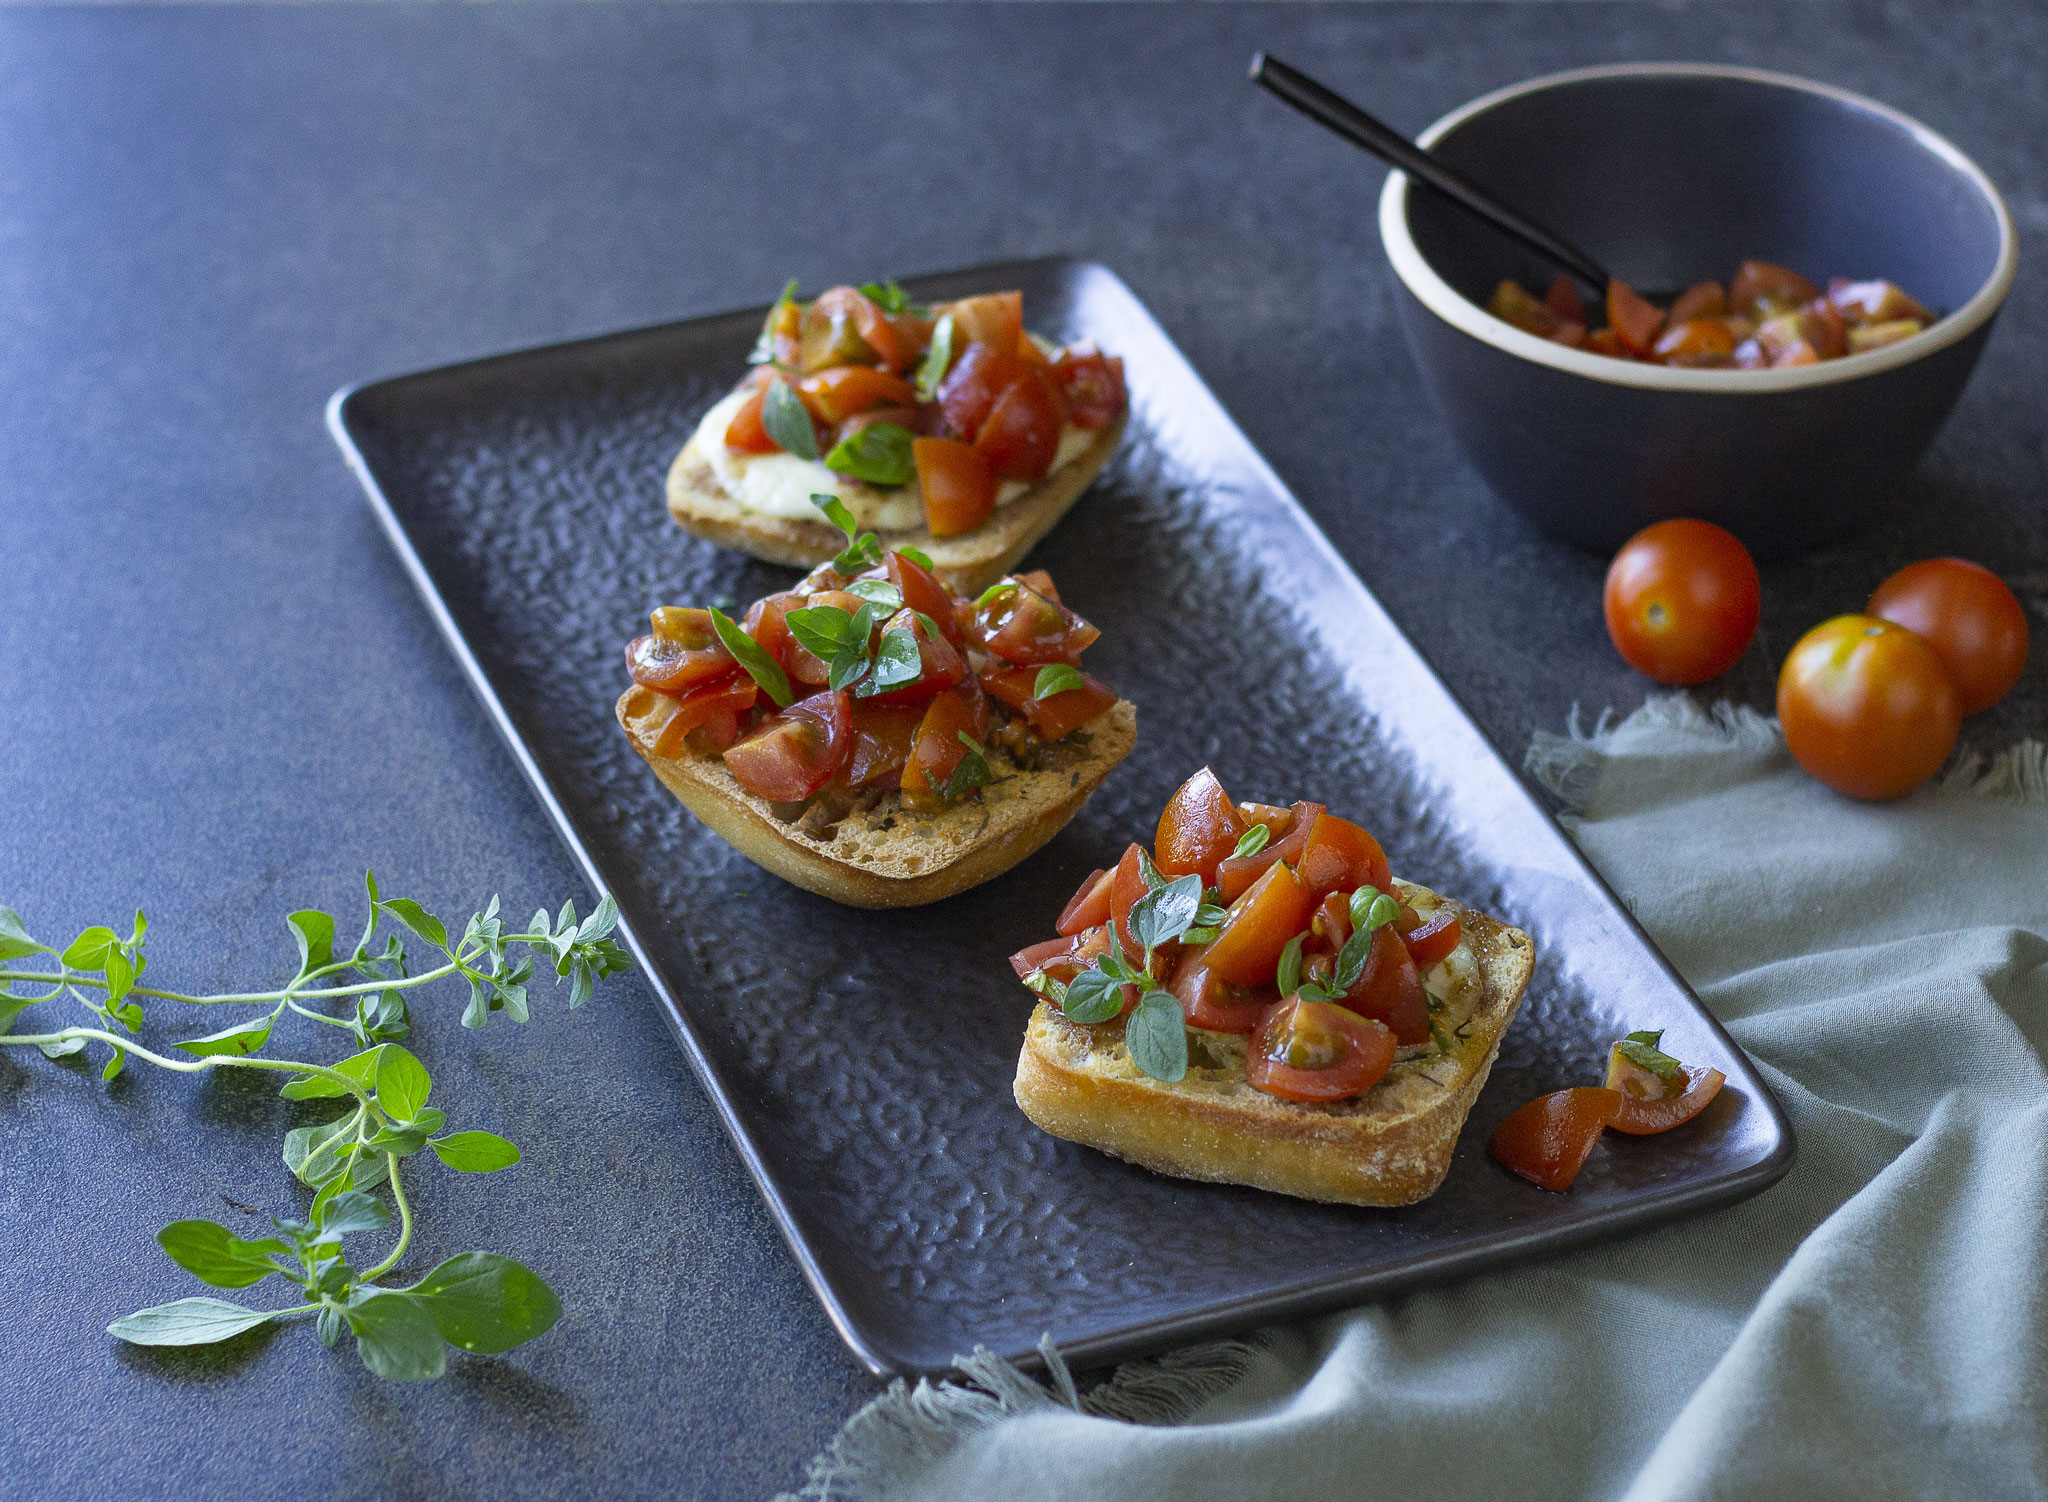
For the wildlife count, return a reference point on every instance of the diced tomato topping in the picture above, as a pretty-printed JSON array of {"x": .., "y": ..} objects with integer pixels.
[
  {"x": 1312, "y": 1051},
  {"x": 682, "y": 651},
  {"x": 882, "y": 738},
  {"x": 1564, "y": 301},
  {"x": 937, "y": 752},
  {"x": 1698, "y": 341},
  {"x": 994, "y": 318},
  {"x": 1198, "y": 829},
  {"x": 745, "y": 434},
  {"x": 1275, "y": 908},
  {"x": 1341, "y": 857},
  {"x": 923, "y": 592},
  {"x": 940, "y": 664},
  {"x": 792, "y": 754},
  {"x": 1041, "y": 581},
  {"x": 1058, "y": 716},
  {"x": 1035, "y": 957},
  {"x": 1331, "y": 925},
  {"x": 1219, "y": 1005},
  {"x": 716, "y": 735},
  {"x": 969, "y": 392},
  {"x": 1029, "y": 352},
  {"x": 1702, "y": 300},
  {"x": 1548, "y": 1140},
  {"x": 1020, "y": 625},
  {"x": 1093, "y": 383},
  {"x": 1430, "y": 940},
  {"x": 1651, "y": 1104},
  {"x": 1087, "y": 908},
  {"x": 1761, "y": 288},
  {"x": 1389, "y": 990},
  {"x": 730, "y": 696},
  {"x": 1021, "y": 435},
  {"x": 1633, "y": 317},
  {"x": 1126, "y": 886},
  {"x": 959, "y": 487},
  {"x": 767, "y": 623},
  {"x": 845, "y": 327},
  {"x": 845, "y": 390},
  {"x": 1236, "y": 874}
]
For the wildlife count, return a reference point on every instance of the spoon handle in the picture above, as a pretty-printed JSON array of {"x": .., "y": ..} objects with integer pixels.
[{"x": 1336, "y": 113}]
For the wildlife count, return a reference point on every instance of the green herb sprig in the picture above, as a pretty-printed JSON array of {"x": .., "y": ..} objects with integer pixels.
[
  {"x": 1641, "y": 1049},
  {"x": 477, "y": 1301},
  {"x": 1156, "y": 1030},
  {"x": 1371, "y": 910},
  {"x": 863, "y": 549}
]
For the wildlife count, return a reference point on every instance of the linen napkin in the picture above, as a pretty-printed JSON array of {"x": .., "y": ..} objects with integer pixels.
[{"x": 1874, "y": 1326}]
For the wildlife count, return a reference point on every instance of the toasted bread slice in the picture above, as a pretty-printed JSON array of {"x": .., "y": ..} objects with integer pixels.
[
  {"x": 1390, "y": 1146},
  {"x": 969, "y": 562},
  {"x": 881, "y": 854}
]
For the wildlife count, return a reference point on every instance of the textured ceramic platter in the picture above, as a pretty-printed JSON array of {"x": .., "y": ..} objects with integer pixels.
[{"x": 862, "y": 1061}]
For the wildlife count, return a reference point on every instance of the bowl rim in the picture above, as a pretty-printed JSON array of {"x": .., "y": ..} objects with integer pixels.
[{"x": 1468, "y": 317}]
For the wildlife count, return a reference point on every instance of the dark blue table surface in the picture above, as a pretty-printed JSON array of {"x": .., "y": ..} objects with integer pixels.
[{"x": 221, "y": 700}]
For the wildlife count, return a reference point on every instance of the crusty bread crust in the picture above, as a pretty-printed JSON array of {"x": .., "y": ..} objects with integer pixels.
[
  {"x": 890, "y": 857},
  {"x": 969, "y": 563},
  {"x": 1391, "y": 1146}
]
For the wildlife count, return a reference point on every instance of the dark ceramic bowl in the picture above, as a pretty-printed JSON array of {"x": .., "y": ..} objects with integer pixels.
[{"x": 1670, "y": 174}]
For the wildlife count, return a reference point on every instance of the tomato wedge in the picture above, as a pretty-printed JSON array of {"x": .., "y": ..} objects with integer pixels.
[
  {"x": 1390, "y": 991},
  {"x": 1093, "y": 384},
  {"x": 1040, "y": 580},
  {"x": 844, "y": 326},
  {"x": 1275, "y": 908},
  {"x": 968, "y": 393},
  {"x": 937, "y": 751},
  {"x": 1018, "y": 624},
  {"x": 1236, "y": 874},
  {"x": 1430, "y": 940},
  {"x": 1649, "y": 1105},
  {"x": 1548, "y": 1140},
  {"x": 940, "y": 665},
  {"x": 1633, "y": 317},
  {"x": 1057, "y": 716},
  {"x": 1126, "y": 886},
  {"x": 1701, "y": 300},
  {"x": 1219, "y": 1005},
  {"x": 792, "y": 754},
  {"x": 921, "y": 591},
  {"x": 993, "y": 318},
  {"x": 1198, "y": 829},
  {"x": 844, "y": 390},
  {"x": 1087, "y": 908},
  {"x": 767, "y": 623},
  {"x": 1021, "y": 435},
  {"x": 958, "y": 485},
  {"x": 1064, "y": 958},
  {"x": 1312, "y": 1051},
  {"x": 745, "y": 434},
  {"x": 1761, "y": 288},
  {"x": 1033, "y": 958},
  {"x": 882, "y": 737},
  {"x": 1341, "y": 857},
  {"x": 683, "y": 651}
]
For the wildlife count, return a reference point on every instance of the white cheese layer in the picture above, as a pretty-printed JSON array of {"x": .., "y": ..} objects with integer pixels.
[{"x": 782, "y": 485}]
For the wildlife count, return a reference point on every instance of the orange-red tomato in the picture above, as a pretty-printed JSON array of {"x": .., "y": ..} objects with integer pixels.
[
  {"x": 1548, "y": 1140},
  {"x": 1390, "y": 990},
  {"x": 940, "y": 665},
  {"x": 1682, "y": 600},
  {"x": 938, "y": 751},
  {"x": 921, "y": 591},
  {"x": 1341, "y": 857},
  {"x": 968, "y": 393},
  {"x": 1314, "y": 1051},
  {"x": 1021, "y": 435},
  {"x": 1020, "y": 625},
  {"x": 843, "y": 325},
  {"x": 1235, "y": 875},
  {"x": 1093, "y": 383},
  {"x": 1642, "y": 1116},
  {"x": 1219, "y": 1005},
  {"x": 662, "y": 724},
  {"x": 1198, "y": 828},
  {"x": 1087, "y": 908},
  {"x": 1868, "y": 707},
  {"x": 959, "y": 487},
  {"x": 745, "y": 433},
  {"x": 1697, "y": 341},
  {"x": 1968, "y": 616},
  {"x": 839, "y": 393},
  {"x": 1058, "y": 716},
  {"x": 1429, "y": 940},
  {"x": 1564, "y": 301},
  {"x": 993, "y": 318},
  {"x": 682, "y": 651},
  {"x": 882, "y": 737},
  {"x": 1126, "y": 886},
  {"x": 792, "y": 754},
  {"x": 1277, "y": 907},
  {"x": 1761, "y": 287},
  {"x": 767, "y": 622},
  {"x": 1701, "y": 300},
  {"x": 1632, "y": 317}
]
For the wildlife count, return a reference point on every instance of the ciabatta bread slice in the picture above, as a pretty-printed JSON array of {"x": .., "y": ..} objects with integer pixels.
[
  {"x": 969, "y": 562},
  {"x": 1390, "y": 1146},
  {"x": 880, "y": 854}
]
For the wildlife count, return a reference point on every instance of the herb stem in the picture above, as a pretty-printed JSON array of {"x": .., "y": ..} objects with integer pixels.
[
  {"x": 195, "y": 1066},
  {"x": 404, "y": 1221},
  {"x": 400, "y": 983}
]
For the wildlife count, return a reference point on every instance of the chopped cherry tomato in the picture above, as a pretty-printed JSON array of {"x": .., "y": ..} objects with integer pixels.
[
  {"x": 1093, "y": 383},
  {"x": 940, "y": 663},
  {"x": 1041, "y": 581},
  {"x": 1968, "y": 616},
  {"x": 1868, "y": 707},
  {"x": 882, "y": 738},
  {"x": 745, "y": 433},
  {"x": 921, "y": 591},
  {"x": 1650, "y": 1102},
  {"x": 1761, "y": 289},
  {"x": 1564, "y": 301},
  {"x": 716, "y": 735},
  {"x": 1035, "y": 957},
  {"x": 1697, "y": 341},
  {"x": 845, "y": 327},
  {"x": 1126, "y": 886},
  {"x": 1275, "y": 908},
  {"x": 937, "y": 752},
  {"x": 1341, "y": 857},
  {"x": 684, "y": 650},
  {"x": 1064, "y": 958},
  {"x": 767, "y": 623},
  {"x": 846, "y": 390},
  {"x": 1219, "y": 1005},
  {"x": 1059, "y": 716},
  {"x": 1875, "y": 302},
  {"x": 1236, "y": 874},
  {"x": 783, "y": 328},
  {"x": 1331, "y": 925},
  {"x": 1020, "y": 625},
  {"x": 1199, "y": 828},
  {"x": 1548, "y": 1140},
  {"x": 1606, "y": 342},
  {"x": 1701, "y": 300},
  {"x": 994, "y": 318},
  {"x": 1313, "y": 1051},
  {"x": 794, "y": 753},
  {"x": 1029, "y": 352},
  {"x": 1430, "y": 940},
  {"x": 1632, "y": 317},
  {"x": 1389, "y": 990},
  {"x": 959, "y": 487},
  {"x": 663, "y": 725},
  {"x": 969, "y": 392},
  {"x": 1021, "y": 436},
  {"x": 1682, "y": 599},
  {"x": 1087, "y": 908}
]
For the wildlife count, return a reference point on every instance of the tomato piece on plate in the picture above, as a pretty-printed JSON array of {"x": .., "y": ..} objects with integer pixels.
[
  {"x": 882, "y": 737},
  {"x": 1273, "y": 910},
  {"x": 1219, "y": 1005},
  {"x": 1389, "y": 989},
  {"x": 1236, "y": 874},
  {"x": 1701, "y": 300},
  {"x": 845, "y": 390},
  {"x": 1018, "y": 624},
  {"x": 1548, "y": 1140},
  {"x": 1313, "y": 1051},
  {"x": 959, "y": 487},
  {"x": 1682, "y": 599},
  {"x": 1021, "y": 436},
  {"x": 1652, "y": 1103},
  {"x": 662, "y": 725},
  {"x": 1512, "y": 303},
  {"x": 1126, "y": 886},
  {"x": 1341, "y": 857},
  {"x": 1968, "y": 616},
  {"x": 1087, "y": 908},
  {"x": 938, "y": 751},
  {"x": 844, "y": 326},
  {"x": 682, "y": 651},
  {"x": 792, "y": 754},
  {"x": 1198, "y": 829},
  {"x": 1697, "y": 341},
  {"x": 1057, "y": 716},
  {"x": 1874, "y": 302},
  {"x": 1093, "y": 383},
  {"x": 1868, "y": 706},
  {"x": 1633, "y": 317},
  {"x": 1430, "y": 940},
  {"x": 1033, "y": 958},
  {"x": 968, "y": 393},
  {"x": 1040, "y": 580},
  {"x": 745, "y": 434},
  {"x": 921, "y": 591},
  {"x": 1606, "y": 342},
  {"x": 993, "y": 318}
]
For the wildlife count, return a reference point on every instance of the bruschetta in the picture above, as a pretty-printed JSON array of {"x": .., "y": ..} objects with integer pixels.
[
  {"x": 872, "y": 736},
  {"x": 1257, "y": 1000},
  {"x": 947, "y": 428}
]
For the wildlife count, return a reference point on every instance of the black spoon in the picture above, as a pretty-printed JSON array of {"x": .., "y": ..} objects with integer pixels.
[{"x": 1339, "y": 114}]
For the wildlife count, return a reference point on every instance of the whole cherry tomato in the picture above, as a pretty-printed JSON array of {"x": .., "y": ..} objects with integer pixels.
[
  {"x": 1868, "y": 707},
  {"x": 1968, "y": 616},
  {"x": 1682, "y": 600}
]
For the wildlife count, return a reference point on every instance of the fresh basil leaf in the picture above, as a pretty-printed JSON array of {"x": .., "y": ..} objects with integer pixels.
[
  {"x": 475, "y": 1152},
  {"x": 242, "y": 1038},
  {"x": 1055, "y": 678},
  {"x": 1117, "y": 968},
  {"x": 764, "y": 347},
  {"x": 848, "y": 667},
  {"x": 485, "y": 1303},
  {"x": 188, "y": 1322},
  {"x": 63, "y": 1048},
  {"x": 1371, "y": 908},
  {"x": 120, "y": 974},
  {"x": 836, "y": 513},
  {"x": 1651, "y": 1038},
  {"x": 362, "y": 1068},
  {"x": 1252, "y": 841},
  {"x": 994, "y": 592},
  {"x": 1287, "y": 974},
  {"x": 12, "y": 1007},
  {"x": 418, "y": 919},
  {"x": 938, "y": 359},
  {"x": 349, "y": 1211},
  {"x": 788, "y": 421},
  {"x": 1167, "y": 912},
  {"x": 888, "y": 296},
  {"x": 1157, "y": 1035},
  {"x": 897, "y": 662},
  {"x": 878, "y": 454},
  {"x": 1150, "y": 873},
  {"x": 114, "y": 1063},
  {"x": 1647, "y": 1055},
  {"x": 407, "y": 1138},
  {"x": 972, "y": 772},
  {"x": 1093, "y": 996},
  {"x": 396, "y": 1336},
  {"x": 1204, "y": 933},
  {"x": 402, "y": 1083},
  {"x": 752, "y": 656},
  {"x": 1209, "y": 915},
  {"x": 314, "y": 933},
  {"x": 1041, "y": 984},
  {"x": 14, "y": 935},
  {"x": 90, "y": 949},
  {"x": 880, "y": 593},
  {"x": 1351, "y": 960},
  {"x": 821, "y": 630},
  {"x": 917, "y": 556},
  {"x": 329, "y": 1324}
]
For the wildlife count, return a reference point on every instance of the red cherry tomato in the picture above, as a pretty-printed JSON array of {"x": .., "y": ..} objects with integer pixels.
[
  {"x": 1968, "y": 616},
  {"x": 1198, "y": 829},
  {"x": 1390, "y": 991},
  {"x": 1632, "y": 317},
  {"x": 1763, "y": 288},
  {"x": 940, "y": 665},
  {"x": 682, "y": 651},
  {"x": 1430, "y": 940},
  {"x": 1643, "y": 1116},
  {"x": 1021, "y": 435},
  {"x": 745, "y": 433},
  {"x": 792, "y": 754},
  {"x": 846, "y": 390},
  {"x": 1313, "y": 1051},
  {"x": 1341, "y": 857},
  {"x": 844, "y": 325},
  {"x": 1219, "y": 1005},
  {"x": 1093, "y": 383},
  {"x": 1033, "y": 958},
  {"x": 663, "y": 724},
  {"x": 882, "y": 737},
  {"x": 1564, "y": 302},
  {"x": 1235, "y": 875},
  {"x": 767, "y": 623},
  {"x": 921, "y": 591},
  {"x": 1087, "y": 908},
  {"x": 1057, "y": 716},
  {"x": 1548, "y": 1141},
  {"x": 1126, "y": 886},
  {"x": 1868, "y": 707},
  {"x": 959, "y": 487},
  {"x": 1275, "y": 908},
  {"x": 1020, "y": 625},
  {"x": 937, "y": 751},
  {"x": 968, "y": 393},
  {"x": 1701, "y": 300},
  {"x": 993, "y": 318},
  {"x": 1682, "y": 600}
]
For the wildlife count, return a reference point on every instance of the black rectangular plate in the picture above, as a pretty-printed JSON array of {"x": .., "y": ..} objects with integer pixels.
[{"x": 863, "y": 1061}]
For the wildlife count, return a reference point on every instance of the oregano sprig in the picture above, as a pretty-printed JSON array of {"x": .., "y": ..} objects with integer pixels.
[{"x": 1155, "y": 1032}]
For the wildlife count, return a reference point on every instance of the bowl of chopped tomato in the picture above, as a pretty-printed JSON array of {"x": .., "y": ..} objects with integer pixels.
[{"x": 1757, "y": 369}]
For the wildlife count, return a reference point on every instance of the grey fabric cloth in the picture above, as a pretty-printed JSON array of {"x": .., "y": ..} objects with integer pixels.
[{"x": 1874, "y": 1326}]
